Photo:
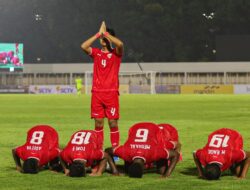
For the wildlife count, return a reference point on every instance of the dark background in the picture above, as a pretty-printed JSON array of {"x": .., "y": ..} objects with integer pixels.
[{"x": 152, "y": 30}]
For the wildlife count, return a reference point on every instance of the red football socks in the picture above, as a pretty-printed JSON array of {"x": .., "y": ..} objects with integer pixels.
[
  {"x": 114, "y": 136},
  {"x": 99, "y": 131}
]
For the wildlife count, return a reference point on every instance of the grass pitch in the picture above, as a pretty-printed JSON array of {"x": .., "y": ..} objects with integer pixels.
[{"x": 195, "y": 116}]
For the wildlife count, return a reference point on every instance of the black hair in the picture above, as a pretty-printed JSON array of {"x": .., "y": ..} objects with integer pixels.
[
  {"x": 30, "y": 166},
  {"x": 126, "y": 167},
  {"x": 110, "y": 49},
  {"x": 135, "y": 170},
  {"x": 112, "y": 32},
  {"x": 77, "y": 169},
  {"x": 212, "y": 171},
  {"x": 161, "y": 166},
  {"x": 55, "y": 165}
]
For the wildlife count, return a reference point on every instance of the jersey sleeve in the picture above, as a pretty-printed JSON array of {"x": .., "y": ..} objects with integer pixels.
[
  {"x": 161, "y": 153},
  {"x": 66, "y": 156},
  {"x": 174, "y": 135},
  {"x": 116, "y": 54},
  {"x": 170, "y": 144},
  {"x": 93, "y": 52},
  {"x": 97, "y": 155},
  {"x": 20, "y": 152},
  {"x": 120, "y": 151},
  {"x": 238, "y": 156},
  {"x": 238, "y": 141},
  {"x": 200, "y": 156}
]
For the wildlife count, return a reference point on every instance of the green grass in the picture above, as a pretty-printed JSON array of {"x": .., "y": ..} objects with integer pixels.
[{"x": 195, "y": 116}]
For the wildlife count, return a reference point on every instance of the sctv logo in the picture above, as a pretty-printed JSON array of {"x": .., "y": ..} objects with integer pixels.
[
  {"x": 45, "y": 90},
  {"x": 66, "y": 90}
]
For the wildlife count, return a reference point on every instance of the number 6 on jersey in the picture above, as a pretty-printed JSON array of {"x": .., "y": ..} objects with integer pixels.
[{"x": 141, "y": 135}]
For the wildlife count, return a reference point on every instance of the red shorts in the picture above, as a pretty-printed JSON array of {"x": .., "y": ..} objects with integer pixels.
[{"x": 105, "y": 104}]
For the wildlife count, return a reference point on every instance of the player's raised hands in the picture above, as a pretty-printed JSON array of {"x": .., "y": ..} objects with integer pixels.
[
  {"x": 104, "y": 26},
  {"x": 102, "y": 29}
]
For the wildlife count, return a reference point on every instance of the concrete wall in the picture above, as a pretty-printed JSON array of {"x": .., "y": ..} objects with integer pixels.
[{"x": 133, "y": 67}]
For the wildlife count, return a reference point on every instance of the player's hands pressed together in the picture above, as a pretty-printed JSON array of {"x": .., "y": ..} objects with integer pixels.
[
  {"x": 102, "y": 29},
  {"x": 86, "y": 45}
]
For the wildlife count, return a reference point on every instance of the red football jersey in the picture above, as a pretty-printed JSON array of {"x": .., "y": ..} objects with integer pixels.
[
  {"x": 41, "y": 143},
  {"x": 225, "y": 158},
  {"x": 224, "y": 147},
  {"x": 83, "y": 145},
  {"x": 144, "y": 141},
  {"x": 170, "y": 135},
  {"x": 105, "y": 71},
  {"x": 232, "y": 138}
]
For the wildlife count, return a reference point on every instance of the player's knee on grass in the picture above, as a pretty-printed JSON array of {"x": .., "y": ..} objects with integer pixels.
[
  {"x": 30, "y": 166},
  {"x": 77, "y": 169},
  {"x": 212, "y": 171},
  {"x": 135, "y": 170}
]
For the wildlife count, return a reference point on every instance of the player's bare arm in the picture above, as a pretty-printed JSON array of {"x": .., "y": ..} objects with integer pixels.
[
  {"x": 245, "y": 166},
  {"x": 17, "y": 161},
  {"x": 86, "y": 45},
  {"x": 117, "y": 42},
  {"x": 101, "y": 167},
  {"x": 178, "y": 147},
  {"x": 109, "y": 154},
  {"x": 174, "y": 157},
  {"x": 65, "y": 169},
  {"x": 198, "y": 165}
]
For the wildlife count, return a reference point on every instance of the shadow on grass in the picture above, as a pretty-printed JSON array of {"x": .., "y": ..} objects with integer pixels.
[
  {"x": 191, "y": 171},
  {"x": 9, "y": 168}
]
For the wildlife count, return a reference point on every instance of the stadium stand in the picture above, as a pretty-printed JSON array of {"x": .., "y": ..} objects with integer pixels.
[{"x": 148, "y": 78}]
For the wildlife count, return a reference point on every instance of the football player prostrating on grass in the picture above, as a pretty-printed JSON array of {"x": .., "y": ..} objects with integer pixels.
[
  {"x": 41, "y": 148},
  {"x": 105, "y": 87},
  {"x": 143, "y": 146},
  {"x": 83, "y": 150},
  {"x": 224, "y": 150},
  {"x": 171, "y": 141}
]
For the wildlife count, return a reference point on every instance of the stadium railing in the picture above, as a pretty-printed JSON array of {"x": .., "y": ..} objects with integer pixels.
[{"x": 130, "y": 82}]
